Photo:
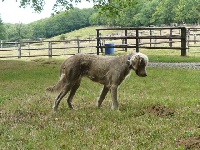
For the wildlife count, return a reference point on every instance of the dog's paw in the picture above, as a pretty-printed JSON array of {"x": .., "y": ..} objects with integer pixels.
[
  {"x": 50, "y": 89},
  {"x": 55, "y": 109},
  {"x": 115, "y": 107}
]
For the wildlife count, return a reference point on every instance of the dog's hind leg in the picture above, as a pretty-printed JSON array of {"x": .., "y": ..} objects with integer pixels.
[
  {"x": 102, "y": 96},
  {"x": 61, "y": 95},
  {"x": 72, "y": 93},
  {"x": 115, "y": 104}
]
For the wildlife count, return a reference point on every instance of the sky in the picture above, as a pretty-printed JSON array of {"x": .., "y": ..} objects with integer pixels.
[{"x": 10, "y": 12}]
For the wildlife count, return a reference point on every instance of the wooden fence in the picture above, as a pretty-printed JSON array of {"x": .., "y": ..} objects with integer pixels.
[
  {"x": 178, "y": 38},
  {"x": 145, "y": 38},
  {"x": 193, "y": 37},
  {"x": 46, "y": 48}
]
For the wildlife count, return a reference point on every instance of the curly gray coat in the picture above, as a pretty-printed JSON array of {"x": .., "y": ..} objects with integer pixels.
[{"x": 107, "y": 70}]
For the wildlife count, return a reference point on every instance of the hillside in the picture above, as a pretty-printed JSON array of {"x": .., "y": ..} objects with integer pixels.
[{"x": 82, "y": 33}]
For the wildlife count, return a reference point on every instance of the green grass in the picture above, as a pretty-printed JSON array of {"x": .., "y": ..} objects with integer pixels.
[
  {"x": 169, "y": 56},
  {"x": 173, "y": 59},
  {"x": 27, "y": 120},
  {"x": 84, "y": 33}
]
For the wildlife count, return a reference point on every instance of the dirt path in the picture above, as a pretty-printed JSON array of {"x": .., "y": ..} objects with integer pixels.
[{"x": 175, "y": 65}]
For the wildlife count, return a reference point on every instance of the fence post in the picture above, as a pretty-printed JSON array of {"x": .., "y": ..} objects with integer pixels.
[
  {"x": 98, "y": 41},
  {"x": 125, "y": 40},
  {"x": 160, "y": 32},
  {"x": 150, "y": 36},
  {"x": 29, "y": 52},
  {"x": 188, "y": 38},
  {"x": 195, "y": 38},
  {"x": 183, "y": 41},
  {"x": 170, "y": 39},
  {"x": 137, "y": 40},
  {"x": 50, "y": 49},
  {"x": 1, "y": 44},
  {"x": 19, "y": 50},
  {"x": 78, "y": 44}
]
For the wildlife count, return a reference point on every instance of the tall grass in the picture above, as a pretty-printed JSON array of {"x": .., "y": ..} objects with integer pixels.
[
  {"x": 27, "y": 120},
  {"x": 161, "y": 55}
]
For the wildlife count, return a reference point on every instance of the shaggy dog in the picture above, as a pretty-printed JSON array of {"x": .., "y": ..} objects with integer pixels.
[{"x": 107, "y": 70}]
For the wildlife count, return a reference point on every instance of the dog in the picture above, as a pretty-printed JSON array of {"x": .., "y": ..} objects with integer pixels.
[{"x": 109, "y": 71}]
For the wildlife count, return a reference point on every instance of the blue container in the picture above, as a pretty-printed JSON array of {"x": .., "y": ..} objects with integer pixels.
[{"x": 109, "y": 50}]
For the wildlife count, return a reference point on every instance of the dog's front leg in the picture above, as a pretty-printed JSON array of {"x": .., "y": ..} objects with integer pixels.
[
  {"x": 115, "y": 104},
  {"x": 102, "y": 96}
]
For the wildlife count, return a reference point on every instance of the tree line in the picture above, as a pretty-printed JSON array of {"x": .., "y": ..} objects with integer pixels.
[
  {"x": 153, "y": 12},
  {"x": 57, "y": 24},
  {"x": 142, "y": 13}
]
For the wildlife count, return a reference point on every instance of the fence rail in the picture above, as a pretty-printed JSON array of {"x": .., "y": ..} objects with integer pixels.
[
  {"x": 193, "y": 36},
  {"x": 178, "y": 38},
  {"x": 46, "y": 48},
  {"x": 138, "y": 36}
]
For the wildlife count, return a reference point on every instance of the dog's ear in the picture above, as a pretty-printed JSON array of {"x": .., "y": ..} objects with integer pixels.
[
  {"x": 141, "y": 61},
  {"x": 134, "y": 62}
]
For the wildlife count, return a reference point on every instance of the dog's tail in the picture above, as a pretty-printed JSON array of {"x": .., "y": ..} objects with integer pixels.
[{"x": 60, "y": 84}]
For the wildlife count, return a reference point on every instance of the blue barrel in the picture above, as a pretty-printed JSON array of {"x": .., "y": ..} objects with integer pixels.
[{"x": 109, "y": 50}]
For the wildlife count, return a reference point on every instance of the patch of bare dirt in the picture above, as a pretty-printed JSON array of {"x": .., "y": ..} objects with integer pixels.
[
  {"x": 190, "y": 143},
  {"x": 44, "y": 61},
  {"x": 160, "y": 110}
]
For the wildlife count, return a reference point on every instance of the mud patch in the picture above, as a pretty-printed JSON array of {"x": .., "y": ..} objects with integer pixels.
[
  {"x": 44, "y": 61},
  {"x": 190, "y": 143},
  {"x": 160, "y": 110}
]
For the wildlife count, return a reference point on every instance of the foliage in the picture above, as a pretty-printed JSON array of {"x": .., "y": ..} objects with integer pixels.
[
  {"x": 156, "y": 12},
  {"x": 18, "y": 31},
  {"x": 164, "y": 13},
  {"x": 2, "y": 31},
  {"x": 188, "y": 13},
  {"x": 67, "y": 21},
  {"x": 28, "y": 122},
  {"x": 111, "y": 7},
  {"x": 145, "y": 13},
  {"x": 46, "y": 28}
]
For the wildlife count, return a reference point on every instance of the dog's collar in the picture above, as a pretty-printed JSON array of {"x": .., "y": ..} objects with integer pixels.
[
  {"x": 131, "y": 67},
  {"x": 129, "y": 57}
]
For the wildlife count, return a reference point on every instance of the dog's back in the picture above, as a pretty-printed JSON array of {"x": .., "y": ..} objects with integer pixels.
[{"x": 99, "y": 68}]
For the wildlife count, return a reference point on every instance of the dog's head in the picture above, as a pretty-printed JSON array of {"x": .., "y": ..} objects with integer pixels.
[{"x": 138, "y": 63}]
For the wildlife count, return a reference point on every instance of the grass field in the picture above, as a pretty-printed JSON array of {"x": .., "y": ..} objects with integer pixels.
[
  {"x": 156, "y": 112},
  {"x": 161, "y": 111}
]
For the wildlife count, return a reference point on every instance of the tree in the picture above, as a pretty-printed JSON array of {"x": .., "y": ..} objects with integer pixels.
[
  {"x": 38, "y": 29},
  {"x": 112, "y": 7},
  {"x": 145, "y": 12},
  {"x": 18, "y": 31},
  {"x": 165, "y": 12},
  {"x": 187, "y": 11},
  {"x": 2, "y": 31},
  {"x": 98, "y": 19},
  {"x": 61, "y": 23}
]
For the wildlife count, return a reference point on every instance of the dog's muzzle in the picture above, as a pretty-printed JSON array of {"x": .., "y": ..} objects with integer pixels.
[{"x": 140, "y": 74}]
